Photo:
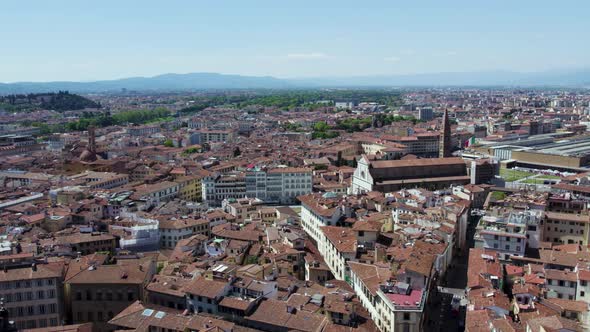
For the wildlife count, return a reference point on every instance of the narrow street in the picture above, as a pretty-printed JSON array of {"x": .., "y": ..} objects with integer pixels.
[{"x": 442, "y": 317}]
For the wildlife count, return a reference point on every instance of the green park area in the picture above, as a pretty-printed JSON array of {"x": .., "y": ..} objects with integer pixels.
[{"x": 511, "y": 175}]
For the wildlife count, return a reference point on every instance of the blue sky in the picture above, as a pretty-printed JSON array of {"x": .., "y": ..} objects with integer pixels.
[{"x": 73, "y": 40}]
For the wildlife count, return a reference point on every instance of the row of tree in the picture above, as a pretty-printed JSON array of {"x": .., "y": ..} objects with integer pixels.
[{"x": 104, "y": 120}]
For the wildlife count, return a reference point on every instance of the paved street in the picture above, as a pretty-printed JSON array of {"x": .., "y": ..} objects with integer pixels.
[{"x": 442, "y": 318}]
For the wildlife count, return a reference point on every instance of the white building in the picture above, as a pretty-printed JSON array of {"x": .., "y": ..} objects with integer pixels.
[
  {"x": 142, "y": 233},
  {"x": 174, "y": 230},
  {"x": 318, "y": 211},
  {"x": 507, "y": 237},
  {"x": 217, "y": 187},
  {"x": 338, "y": 246},
  {"x": 157, "y": 192},
  {"x": 281, "y": 185},
  {"x": 392, "y": 306},
  {"x": 561, "y": 284}
]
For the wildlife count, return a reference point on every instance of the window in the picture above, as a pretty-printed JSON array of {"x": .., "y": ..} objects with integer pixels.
[
  {"x": 40, "y": 294},
  {"x": 51, "y": 293},
  {"x": 100, "y": 316},
  {"x": 406, "y": 316},
  {"x": 130, "y": 296},
  {"x": 52, "y": 308},
  {"x": 89, "y": 295},
  {"x": 79, "y": 296},
  {"x": 53, "y": 321},
  {"x": 42, "y": 309},
  {"x": 582, "y": 293},
  {"x": 80, "y": 316},
  {"x": 30, "y": 310}
]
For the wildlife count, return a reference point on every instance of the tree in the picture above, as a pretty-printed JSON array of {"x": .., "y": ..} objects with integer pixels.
[
  {"x": 168, "y": 143},
  {"x": 321, "y": 126}
]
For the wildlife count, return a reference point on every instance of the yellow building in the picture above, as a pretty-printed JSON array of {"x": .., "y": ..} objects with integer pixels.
[
  {"x": 190, "y": 188},
  {"x": 566, "y": 228}
]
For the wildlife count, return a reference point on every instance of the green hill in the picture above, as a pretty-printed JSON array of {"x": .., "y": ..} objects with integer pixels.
[{"x": 60, "y": 101}]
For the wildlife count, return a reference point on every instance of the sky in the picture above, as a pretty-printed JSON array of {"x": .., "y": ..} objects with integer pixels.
[{"x": 84, "y": 41}]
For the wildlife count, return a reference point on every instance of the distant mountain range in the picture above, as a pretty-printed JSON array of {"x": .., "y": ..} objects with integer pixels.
[{"x": 208, "y": 81}]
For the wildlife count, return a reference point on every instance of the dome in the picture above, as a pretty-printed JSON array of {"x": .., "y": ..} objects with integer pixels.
[{"x": 87, "y": 156}]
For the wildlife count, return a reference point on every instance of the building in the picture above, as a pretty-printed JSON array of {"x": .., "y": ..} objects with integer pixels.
[
  {"x": 212, "y": 136},
  {"x": 190, "y": 188},
  {"x": 140, "y": 233},
  {"x": 168, "y": 291},
  {"x": 98, "y": 293},
  {"x": 566, "y": 228},
  {"x": 102, "y": 180},
  {"x": 507, "y": 237},
  {"x": 18, "y": 144},
  {"x": 338, "y": 247},
  {"x": 143, "y": 130},
  {"x": 425, "y": 113},
  {"x": 157, "y": 192},
  {"x": 33, "y": 295},
  {"x": 392, "y": 175},
  {"x": 317, "y": 211},
  {"x": 279, "y": 185},
  {"x": 445, "y": 137},
  {"x": 174, "y": 230},
  {"x": 204, "y": 295},
  {"x": 89, "y": 243},
  {"x": 393, "y": 305},
  {"x": 217, "y": 187},
  {"x": 345, "y": 104}
]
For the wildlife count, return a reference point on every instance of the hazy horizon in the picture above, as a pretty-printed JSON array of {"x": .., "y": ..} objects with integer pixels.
[{"x": 71, "y": 41}]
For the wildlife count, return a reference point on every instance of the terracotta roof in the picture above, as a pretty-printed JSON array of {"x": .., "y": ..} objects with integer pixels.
[
  {"x": 124, "y": 272},
  {"x": 568, "y": 305},
  {"x": 50, "y": 270},
  {"x": 417, "y": 162},
  {"x": 560, "y": 275},
  {"x": 207, "y": 288},
  {"x": 344, "y": 239}
]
